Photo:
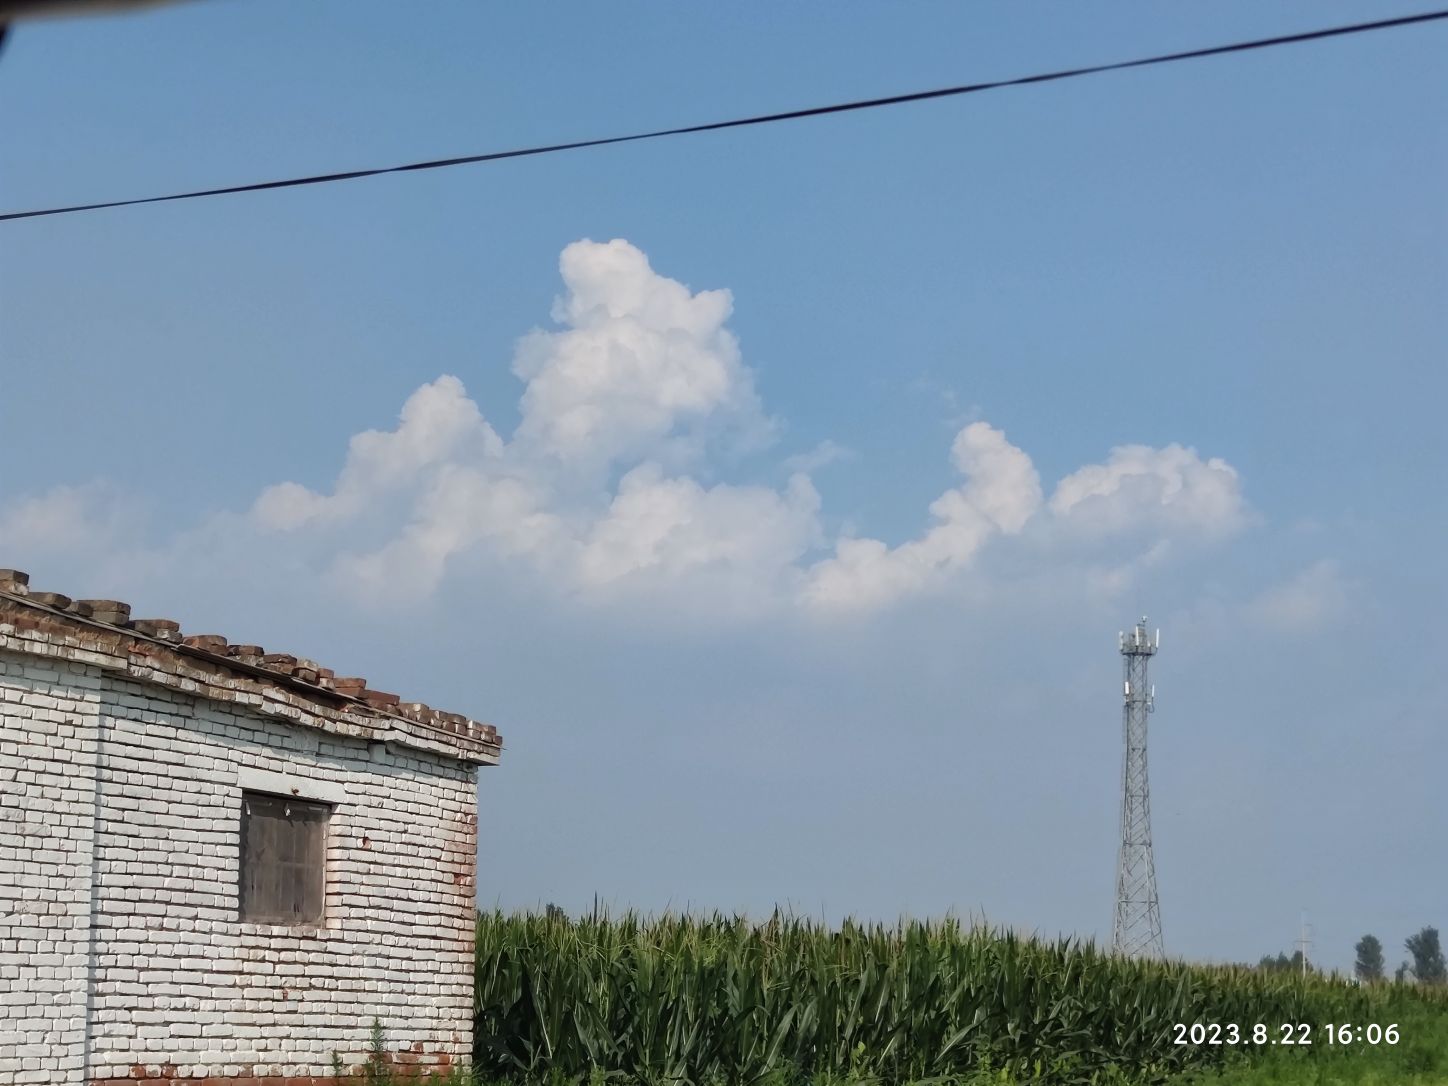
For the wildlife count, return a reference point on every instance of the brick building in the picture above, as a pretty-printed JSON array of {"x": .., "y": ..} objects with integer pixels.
[{"x": 220, "y": 864}]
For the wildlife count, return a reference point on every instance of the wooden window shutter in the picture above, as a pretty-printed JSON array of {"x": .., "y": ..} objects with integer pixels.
[{"x": 283, "y": 870}]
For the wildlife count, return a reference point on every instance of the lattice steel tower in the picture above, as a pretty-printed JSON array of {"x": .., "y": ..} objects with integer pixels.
[{"x": 1137, "y": 930}]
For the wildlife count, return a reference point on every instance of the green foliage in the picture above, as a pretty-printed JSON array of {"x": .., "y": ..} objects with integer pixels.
[
  {"x": 377, "y": 1070},
  {"x": 1284, "y": 964},
  {"x": 1428, "y": 965},
  {"x": 1419, "y": 1059},
  {"x": 1369, "y": 965},
  {"x": 718, "y": 1000},
  {"x": 1280, "y": 964}
]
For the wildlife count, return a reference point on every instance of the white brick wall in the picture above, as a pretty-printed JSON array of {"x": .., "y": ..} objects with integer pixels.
[
  {"x": 138, "y": 787},
  {"x": 47, "y": 813}
]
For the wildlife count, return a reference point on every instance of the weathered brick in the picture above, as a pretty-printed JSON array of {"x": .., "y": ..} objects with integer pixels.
[{"x": 121, "y": 953}]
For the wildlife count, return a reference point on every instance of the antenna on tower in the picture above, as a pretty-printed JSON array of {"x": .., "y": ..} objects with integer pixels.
[{"x": 1136, "y": 931}]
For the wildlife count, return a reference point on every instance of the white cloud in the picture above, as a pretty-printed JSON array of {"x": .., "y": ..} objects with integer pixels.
[
  {"x": 1001, "y": 493},
  {"x": 461, "y": 508},
  {"x": 1003, "y": 482},
  {"x": 640, "y": 379},
  {"x": 670, "y": 526},
  {"x": 439, "y": 425},
  {"x": 641, "y": 365},
  {"x": 601, "y": 493},
  {"x": 1140, "y": 488}
]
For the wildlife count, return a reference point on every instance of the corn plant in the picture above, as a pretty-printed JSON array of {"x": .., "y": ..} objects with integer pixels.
[{"x": 695, "y": 1001}]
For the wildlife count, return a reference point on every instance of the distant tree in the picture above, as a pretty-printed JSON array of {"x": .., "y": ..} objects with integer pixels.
[
  {"x": 1369, "y": 965},
  {"x": 1400, "y": 974},
  {"x": 1428, "y": 964},
  {"x": 1281, "y": 963}
]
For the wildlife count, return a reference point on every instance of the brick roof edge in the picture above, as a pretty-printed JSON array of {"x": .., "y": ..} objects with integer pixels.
[{"x": 100, "y": 633}]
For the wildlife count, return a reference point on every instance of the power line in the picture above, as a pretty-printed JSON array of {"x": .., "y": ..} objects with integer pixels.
[{"x": 766, "y": 118}]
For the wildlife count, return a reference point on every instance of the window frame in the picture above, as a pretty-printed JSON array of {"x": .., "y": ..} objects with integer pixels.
[{"x": 307, "y": 855}]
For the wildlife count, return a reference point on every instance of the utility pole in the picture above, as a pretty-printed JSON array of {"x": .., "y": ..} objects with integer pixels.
[
  {"x": 1136, "y": 932},
  {"x": 1304, "y": 940}
]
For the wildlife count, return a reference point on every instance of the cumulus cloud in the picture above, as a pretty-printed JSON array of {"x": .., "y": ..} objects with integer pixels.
[
  {"x": 606, "y": 489},
  {"x": 641, "y": 364},
  {"x": 462, "y": 507},
  {"x": 594, "y": 493},
  {"x": 1001, "y": 493},
  {"x": 438, "y": 426},
  {"x": 1141, "y": 488},
  {"x": 673, "y": 525}
]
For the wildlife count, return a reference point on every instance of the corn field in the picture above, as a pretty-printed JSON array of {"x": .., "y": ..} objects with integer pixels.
[{"x": 721, "y": 1000}]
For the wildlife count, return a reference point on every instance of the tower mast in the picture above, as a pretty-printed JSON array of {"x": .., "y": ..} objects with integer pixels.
[{"x": 1136, "y": 932}]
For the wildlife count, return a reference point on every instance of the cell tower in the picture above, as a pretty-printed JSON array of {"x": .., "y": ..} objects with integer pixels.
[{"x": 1137, "y": 930}]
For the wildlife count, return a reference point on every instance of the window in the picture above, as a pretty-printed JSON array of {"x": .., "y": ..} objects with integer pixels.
[{"x": 283, "y": 859}]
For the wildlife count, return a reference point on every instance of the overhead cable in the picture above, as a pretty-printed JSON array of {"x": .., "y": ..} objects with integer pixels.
[{"x": 742, "y": 122}]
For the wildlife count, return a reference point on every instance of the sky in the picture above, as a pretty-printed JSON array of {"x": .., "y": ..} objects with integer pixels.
[{"x": 779, "y": 493}]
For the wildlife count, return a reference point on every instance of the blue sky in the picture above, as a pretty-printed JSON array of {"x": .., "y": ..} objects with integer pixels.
[{"x": 1165, "y": 341}]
